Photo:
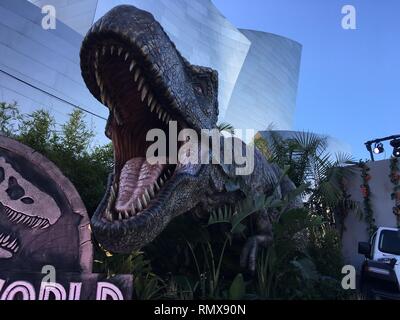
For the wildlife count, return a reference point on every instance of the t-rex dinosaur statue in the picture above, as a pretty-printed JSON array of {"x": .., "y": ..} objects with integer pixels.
[{"x": 130, "y": 65}]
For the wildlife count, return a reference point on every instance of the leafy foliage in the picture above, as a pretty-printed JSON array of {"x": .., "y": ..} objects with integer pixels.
[
  {"x": 68, "y": 146},
  {"x": 224, "y": 126},
  {"x": 198, "y": 259},
  {"x": 306, "y": 154}
]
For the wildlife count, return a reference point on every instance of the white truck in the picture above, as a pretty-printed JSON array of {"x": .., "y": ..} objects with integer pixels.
[{"x": 380, "y": 272}]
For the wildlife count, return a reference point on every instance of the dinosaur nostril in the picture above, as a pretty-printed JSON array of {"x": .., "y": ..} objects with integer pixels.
[{"x": 14, "y": 190}]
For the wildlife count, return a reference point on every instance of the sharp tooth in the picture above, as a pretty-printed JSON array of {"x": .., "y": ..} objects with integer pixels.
[
  {"x": 45, "y": 225},
  {"x": 109, "y": 104},
  {"x": 132, "y": 65},
  {"x": 103, "y": 98},
  {"x": 12, "y": 244},
  {"x": 146, "y": 193},
  {"x": 139, "y": 205},
  {"x": 126, "y": 56},
  {"x": 161, "y": 182},
  {"x": 144, "y": 92},
  {"x": 168, "y": 119},
  {"x": 120, "y": 216},
  {"x": 37, "y": 223},
  {"x": 140, "y": 84},
  {"x": 153, "y": 105},
  {"x": 27, "y": 221},
  {"x": 157, "y": 186},
  {"x": 149, "y": 99},
  {"x": 160, "y": 114},
  {"x": 98, "y": 78},
  {"x": 112, "y": 193},
  {"x": 151, "y": 191},
  {"x": 133, "y": 209},
  {"x": 109, "y": 216},
  {"x": 104, "y": 50},
  {"x": 97, "y": 54},
  {"x": 144, "y": 200},
  {"x": 127, "y": 216},
  {"x": 158, "y": 108},
  {"x": 112, "y": 50},
  {"x": 6, "y": 239},
  {"x": 137, "y": 74},
  {"x": 119, "y": 51},
  {"x": 164, "y": 116},
  {"x": 117, "y": 118}
]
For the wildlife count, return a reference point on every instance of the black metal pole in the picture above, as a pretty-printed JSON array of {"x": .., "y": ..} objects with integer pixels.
[
  {"x": 368, "y": 144},
  {"x": 369, "y": 148}
]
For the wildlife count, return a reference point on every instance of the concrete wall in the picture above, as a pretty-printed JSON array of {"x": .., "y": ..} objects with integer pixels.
[{"x": 382, "y": 205}]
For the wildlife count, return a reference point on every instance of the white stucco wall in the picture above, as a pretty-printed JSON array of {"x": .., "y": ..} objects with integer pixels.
[{"x": 381, "y": 189}]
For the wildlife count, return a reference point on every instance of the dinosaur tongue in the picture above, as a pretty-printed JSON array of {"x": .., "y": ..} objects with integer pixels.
[{"x": 136, "y": 177}]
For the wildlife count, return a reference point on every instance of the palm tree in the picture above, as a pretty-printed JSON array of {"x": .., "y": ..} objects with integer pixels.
[
  {"x": 224, "y": 126},
  {"x": 310, "y": 163}
]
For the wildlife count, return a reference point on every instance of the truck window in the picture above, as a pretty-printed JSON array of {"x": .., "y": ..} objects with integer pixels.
[
  {"x": 373, "y": 238},
  {"x": 389, "y": 242}
]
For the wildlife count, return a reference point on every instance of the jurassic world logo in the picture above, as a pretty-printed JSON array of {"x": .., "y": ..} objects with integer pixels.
[{"x": 43, "y": 222}]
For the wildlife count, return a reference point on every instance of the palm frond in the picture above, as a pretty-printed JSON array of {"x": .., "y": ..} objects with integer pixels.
[{"x": 224, "y": 126}]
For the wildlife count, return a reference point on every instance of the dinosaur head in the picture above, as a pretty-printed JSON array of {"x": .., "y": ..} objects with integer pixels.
[{"x": 132, "y": 67}]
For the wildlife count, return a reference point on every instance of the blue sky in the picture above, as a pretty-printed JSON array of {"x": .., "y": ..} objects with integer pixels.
[{"x": 349, "y": 84}]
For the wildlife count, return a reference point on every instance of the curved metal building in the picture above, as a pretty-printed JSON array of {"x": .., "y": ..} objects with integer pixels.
[
  {"x": 258, "y": 71},
  {"x": 198, "y": 29},
  {"x": 266, "y": 90}
]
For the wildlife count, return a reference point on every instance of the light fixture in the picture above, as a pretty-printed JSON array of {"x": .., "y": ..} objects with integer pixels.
[
  {"x": 396, "y": 147},
  {"x": 379, "y": 148}
]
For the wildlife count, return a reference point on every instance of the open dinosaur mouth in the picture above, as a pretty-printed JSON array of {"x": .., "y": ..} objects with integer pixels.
[
  {"x": 8, "y": 246},
  {"x": 26, "y": 220},
  {"x": 127, "y": 85}
]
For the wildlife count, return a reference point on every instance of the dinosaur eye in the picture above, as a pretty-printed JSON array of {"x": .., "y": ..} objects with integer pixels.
[
  {"x": 27, "y": 200},
  {"x": 2, "y": 174},
  {"x": 199, "y": 89}
]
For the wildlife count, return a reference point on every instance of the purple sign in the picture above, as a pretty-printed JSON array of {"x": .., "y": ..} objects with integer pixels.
[{"x": 43, "y": 222}]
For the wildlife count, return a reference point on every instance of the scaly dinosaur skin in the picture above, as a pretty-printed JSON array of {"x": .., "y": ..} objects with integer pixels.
[{"x": 129, "y": 64}]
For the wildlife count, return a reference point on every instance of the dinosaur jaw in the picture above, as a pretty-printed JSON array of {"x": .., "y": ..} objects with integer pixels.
[{"x": 136, "y": 106}]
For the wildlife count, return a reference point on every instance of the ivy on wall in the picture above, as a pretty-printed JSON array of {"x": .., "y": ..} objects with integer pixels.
[
  {"x": 395, "y": 179},
  {"x": 366, "y": 193}
]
